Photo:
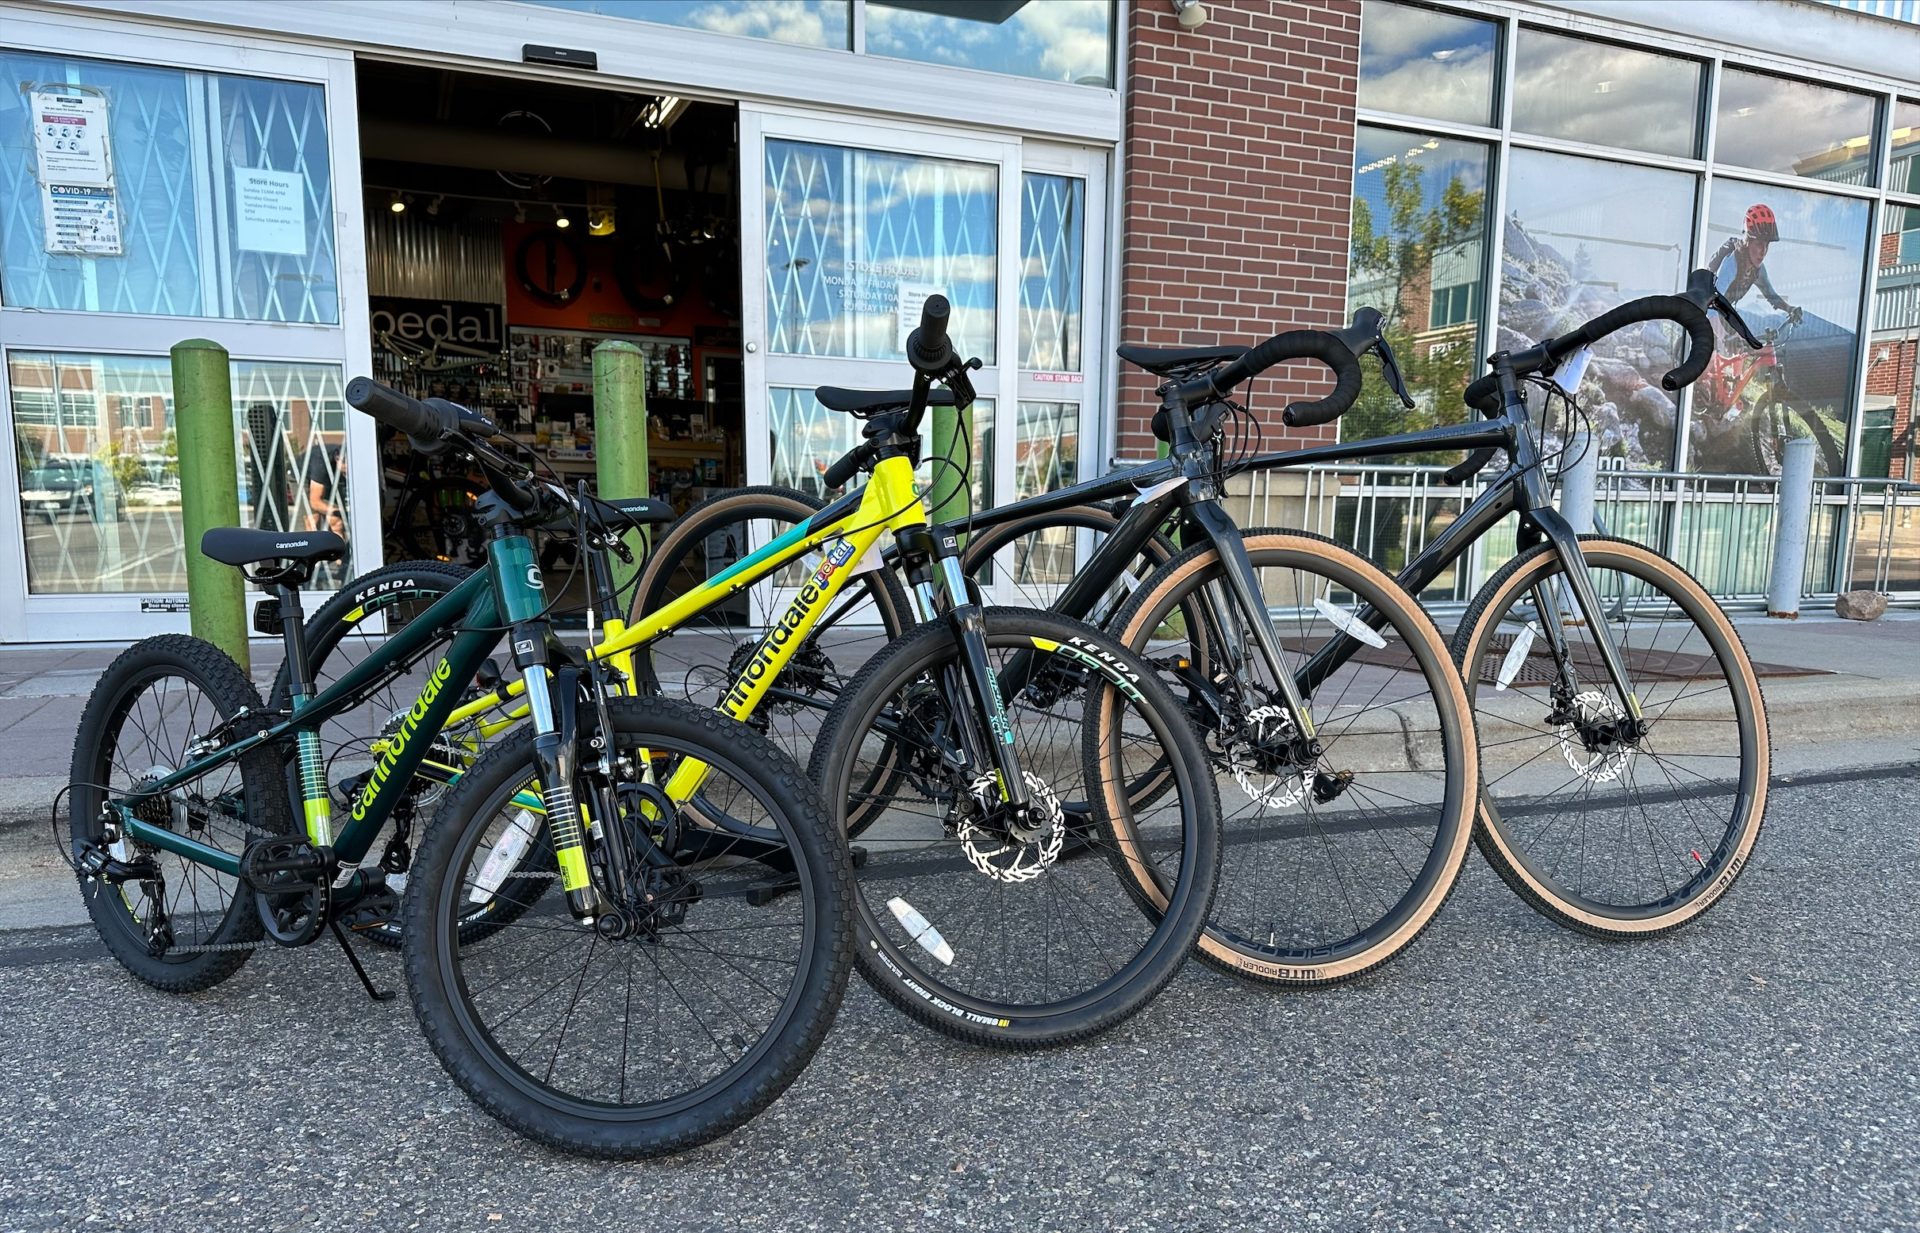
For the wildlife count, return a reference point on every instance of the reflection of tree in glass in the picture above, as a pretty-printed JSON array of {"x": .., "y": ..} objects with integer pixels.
[{"x": 1395, "y": 261}]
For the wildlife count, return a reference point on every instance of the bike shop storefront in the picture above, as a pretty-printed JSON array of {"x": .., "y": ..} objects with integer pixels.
[{"x": 458, "y": 215}]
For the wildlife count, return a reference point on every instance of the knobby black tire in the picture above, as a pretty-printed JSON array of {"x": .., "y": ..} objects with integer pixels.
[
  {"x": 228, "y": 689},
  {"x": 1717, "y": 875},
  {"x": 823, "y": 880},
  {"x": 1178, "y": 913},
  {"x": 1338, "y": 960}
]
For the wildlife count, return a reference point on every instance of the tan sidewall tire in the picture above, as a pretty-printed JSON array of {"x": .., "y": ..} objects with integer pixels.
[
  {"x": 1494, "y": 844},
  {"x": 1408, "y": 616}
]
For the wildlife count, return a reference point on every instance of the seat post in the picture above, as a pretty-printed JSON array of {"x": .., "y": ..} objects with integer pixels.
[{"x": 293, "y": 638}]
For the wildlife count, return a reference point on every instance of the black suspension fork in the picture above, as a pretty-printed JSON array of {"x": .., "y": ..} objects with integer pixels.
[{"x": 941, "y": 547}]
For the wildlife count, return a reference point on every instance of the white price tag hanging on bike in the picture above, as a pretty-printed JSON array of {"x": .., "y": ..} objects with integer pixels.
[
  {"x": 1572, "y": 371},
  {"x": 506, "y": 854}
]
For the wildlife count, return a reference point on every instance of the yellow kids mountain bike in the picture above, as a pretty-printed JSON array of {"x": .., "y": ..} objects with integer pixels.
[{"x": 1028, "y": 896}]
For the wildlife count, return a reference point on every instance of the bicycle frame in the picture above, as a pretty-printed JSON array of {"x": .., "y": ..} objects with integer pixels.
[
  {"x": 888, "y": 502},
  {"x": 477, "y": 609}
]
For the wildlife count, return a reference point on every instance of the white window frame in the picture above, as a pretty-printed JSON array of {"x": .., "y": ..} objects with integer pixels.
[{"x": 66, "y": 618}]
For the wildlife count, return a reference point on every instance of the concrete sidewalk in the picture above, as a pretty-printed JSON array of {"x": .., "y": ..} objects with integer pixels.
[{"x": 1857, "y": 702}]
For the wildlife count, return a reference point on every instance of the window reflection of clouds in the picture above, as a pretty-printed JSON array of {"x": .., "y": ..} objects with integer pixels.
[
  {"x": 1583, "y": 236},
  {"x": 1423, "y": 63},
  {"x": 1904, "y": 176},
  {"x": 806, "y": 23},
  {"x": 846, "y": 228},
  {"x": 1773, "y": 124},
  {"x": 1604, "y": 95},
  {"x": 1054, "y": 40}
]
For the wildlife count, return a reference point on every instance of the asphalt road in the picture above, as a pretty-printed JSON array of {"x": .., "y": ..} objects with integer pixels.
[{"x": 1756, "y": 1071}]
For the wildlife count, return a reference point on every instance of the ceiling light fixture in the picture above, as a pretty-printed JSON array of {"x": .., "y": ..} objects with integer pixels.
[
  {"x": 519, "y": 212},
  {"x": 664, "y": 110},
  {"x": 560, "y": 218},
  {"x": 397, "y": 204},
  {"x": 433, "y": 207}
]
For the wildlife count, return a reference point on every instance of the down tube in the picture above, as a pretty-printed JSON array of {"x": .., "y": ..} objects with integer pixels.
[
  {"x": 1451, "y": 545},
  {"x": 438, "y": 700},
  {"x": 782, "y": 640}
]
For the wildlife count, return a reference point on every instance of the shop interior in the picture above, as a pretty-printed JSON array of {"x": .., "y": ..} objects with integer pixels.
[{"x": 514, "y": 225}]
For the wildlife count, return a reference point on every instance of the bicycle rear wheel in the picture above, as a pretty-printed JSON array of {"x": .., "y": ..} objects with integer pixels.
[
  {"x": 976, "y": 934},
  {"x": 1614, "y": 837},
  {"x": 678, "y": 1028},
  {"x": 193, "y": 926},
  {"x": 1029, "y": 561},
  {"x": 1342, "y": 850}
]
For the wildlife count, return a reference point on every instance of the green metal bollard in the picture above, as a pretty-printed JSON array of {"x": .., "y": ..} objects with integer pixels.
[
  {"x": 620, "y": 436},
  {"x": 949, "y": 496},
  {"x": 209, "y": 491}
]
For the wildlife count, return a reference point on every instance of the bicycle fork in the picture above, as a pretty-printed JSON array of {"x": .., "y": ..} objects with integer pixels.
[
  {"x": 1586, "y": 601},
  {"x": 946, "y": 593}
]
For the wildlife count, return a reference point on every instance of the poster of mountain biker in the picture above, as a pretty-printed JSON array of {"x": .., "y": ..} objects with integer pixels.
[{"x": 1791, "y": 261}]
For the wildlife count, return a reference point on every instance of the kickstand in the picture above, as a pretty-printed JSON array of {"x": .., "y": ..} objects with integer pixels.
[{"x": 359, "y": 971}]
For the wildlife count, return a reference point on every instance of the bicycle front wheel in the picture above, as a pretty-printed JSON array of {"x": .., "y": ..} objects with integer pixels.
[
  {"x": 1604, "y": 832},
  {"x": 972, "y": 930},
  {"x": 1341, "y": 848},
  {"x": 688, "y": 1020}
]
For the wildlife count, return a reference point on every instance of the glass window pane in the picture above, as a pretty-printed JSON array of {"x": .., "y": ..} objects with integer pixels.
[
  {"x": 1052, "y": 239},
  {"x": 99, "y": 465},
  {"x": 808, "y": 23},
  {"x": 1604, "y": 94},
  {"x": 279, "y": 261},
  {"x": 808, "y": 438},
  {"x": 1583, "y": 236},
  {"x": 1418, "y": 255},
  {"x": 1801, "y": 294},
  {"x": 149, "y": 144},
  {"x": 1774, "y": 124},
  {"x": 1053, "y": 40},
  {"x": 1424, "y": 63},
  {"x": 1046, "y": 450},
  {"x": 1903, "y": 175},
  {"x": 856, "y": 236}
]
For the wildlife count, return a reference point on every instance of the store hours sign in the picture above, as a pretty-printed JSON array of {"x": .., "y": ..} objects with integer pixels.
[{"x": 73, "y": 156}]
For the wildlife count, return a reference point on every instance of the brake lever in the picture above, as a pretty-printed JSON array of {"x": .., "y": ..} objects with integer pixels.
[
  {"x": 1719, "y": 303},
  {"x": 956, "y": 380},
  {"x": 1390, "y": 369}
]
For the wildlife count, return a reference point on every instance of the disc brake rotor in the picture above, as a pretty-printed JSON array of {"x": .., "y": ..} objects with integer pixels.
[
  {"x": 1008, "y": 860},
  {"x": 1268, "y": 726},
  {"x": 1594, "y": 707}
]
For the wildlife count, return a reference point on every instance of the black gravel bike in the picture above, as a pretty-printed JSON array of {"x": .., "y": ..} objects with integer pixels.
[
  {"x": 1346, "y": 780},
  {"x": 1623, "y": 737}
]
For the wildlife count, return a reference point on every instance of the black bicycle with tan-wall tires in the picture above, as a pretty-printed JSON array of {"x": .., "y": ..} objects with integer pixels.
[
  {"x": 1347, "y": 800},
  {"x": 1622, "y": 735}
]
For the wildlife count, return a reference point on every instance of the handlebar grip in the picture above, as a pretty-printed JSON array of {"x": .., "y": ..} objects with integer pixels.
[
  {"x": 928, "y": 348},
  {"x": 1483, "y": 394},
  {"x": 1326, "y": 348},
  {"x": 1475, "y": 463},
  {"x": 1675, "y": 308},
  {"x": 846, "y": 467},
  {"x": 422, "y": 421}
]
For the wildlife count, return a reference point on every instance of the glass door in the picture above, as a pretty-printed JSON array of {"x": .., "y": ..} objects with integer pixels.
[{"x": 851, "y": 227}]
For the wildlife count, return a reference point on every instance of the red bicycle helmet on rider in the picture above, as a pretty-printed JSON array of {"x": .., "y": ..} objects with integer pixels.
[{"x": 1761, "y": 225}]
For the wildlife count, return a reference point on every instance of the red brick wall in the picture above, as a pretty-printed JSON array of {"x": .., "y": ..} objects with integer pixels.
[
  {"x": 1239, "y": 186},
  {"x": 1892, "y": 379}
]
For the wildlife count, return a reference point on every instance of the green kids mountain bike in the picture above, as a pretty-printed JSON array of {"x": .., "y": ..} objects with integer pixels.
[{"x": 595, "y": 965}]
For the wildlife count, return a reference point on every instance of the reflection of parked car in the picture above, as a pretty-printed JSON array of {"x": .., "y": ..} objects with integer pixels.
[{"x": 69, "y": 484}]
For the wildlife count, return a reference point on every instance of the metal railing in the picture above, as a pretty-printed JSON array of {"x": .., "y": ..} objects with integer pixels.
[{"x": 1865, "y": 533}]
